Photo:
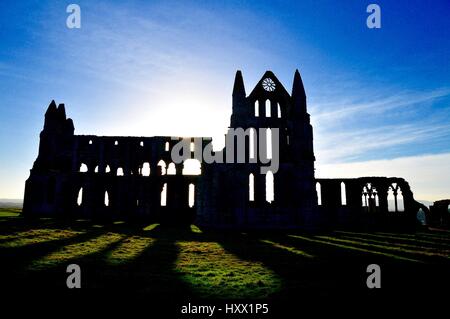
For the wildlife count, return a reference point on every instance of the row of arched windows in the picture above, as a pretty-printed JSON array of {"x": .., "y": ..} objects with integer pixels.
[
  {"x": 370, "y": 198},
  {"x": 268, "y": 109},
  {"x": 163, "y": 198},
  {"x": 270, "y": 190},
  {"x": 190, "y": 167}
]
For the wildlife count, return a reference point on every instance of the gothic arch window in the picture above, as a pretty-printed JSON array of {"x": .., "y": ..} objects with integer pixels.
[
  {"x": 107, "y": 169},
  {"x": 90, "y": 142},
  {"x": 145, "y": 169},
  {"x": 251, "y": 188},
  {"x": 167, "y": 146},
  {"x": 96, "y": 169},
  {"x": 343, "y": 194},
  {"x": 162, "y": 165},
  {"x": 270, "y": 191},
  {"x": 319, "y": 193},
  {"x": 268, "y": 108},
  {"x": 106, "y": 199},
  {"x": 269, "y": 142},
  {"x": 252, "y": 144},
  {"x": 391, "y": 200},
  {"x": 171, "y": 170},
  {"x": 116, "y": 143},
  {"x": 400, "y": 201},
  {"x": 191, "y": 201},
  {"x": 141, "y": 143},
  {"x": 256, "y": 108},
  {"x": 119, "y": 171},
  {"x": 279, "y": 110},
  {"x": 83, "y": 168},
  {"x": 164, "y": 195},
  {"x": 80, "y": 197},
  {"x": 192, "y": 166}
]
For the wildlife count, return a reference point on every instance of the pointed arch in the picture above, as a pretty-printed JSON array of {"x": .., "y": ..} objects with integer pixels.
[
  {"x": 171, "y": 169},
  {"x": 80, "y": 197},
  {"x": 192, "y": 166},
  {"x": 269, "y": 143},
  {"x": 191, "y": 200},
  {"x": 251, "y": 187},
  {"x": 106, "y": 199},
  {"x": 83, "y": 168},
  {"x": 107, "y": 169},
  {"x": 391, "y": 200},
  {"x": 270, "y": 191},
  {"x": 268, "y": 114},
  {"x": 96, "y": 169},
  {"x": 343, "y": 194},
  {"x": 252, "y": 144},
  {"x": 164, "y": 195},
  {"x": 400, "y": 201},
  {"x": 319, "y": 193},
  {"x": 145, "y": 169}
]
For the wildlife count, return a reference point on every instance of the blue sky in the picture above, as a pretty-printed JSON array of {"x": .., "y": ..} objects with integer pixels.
[{"x": 379, "y": 98}]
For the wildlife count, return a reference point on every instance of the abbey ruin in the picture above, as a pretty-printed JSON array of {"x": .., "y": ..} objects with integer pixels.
[{"x": 134, "y": 178}]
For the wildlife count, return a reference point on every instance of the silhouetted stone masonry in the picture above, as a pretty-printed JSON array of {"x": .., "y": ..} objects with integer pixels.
[
  {"x": 105, "y": 177},
  {"x": 440, "y": 213}
]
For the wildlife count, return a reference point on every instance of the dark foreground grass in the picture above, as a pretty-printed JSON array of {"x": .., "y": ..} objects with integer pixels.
[{"x": 195, "y": 263}]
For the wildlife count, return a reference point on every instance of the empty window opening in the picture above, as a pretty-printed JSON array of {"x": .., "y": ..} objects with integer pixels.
[
  {"x": 107, "y": 169},
  {"x": 167, "y": 146},
  {"x": 171, "y": 170},
  {"x": 251, "y": 188},
  {"x": 279, "y": 110},
  {"x": 287, "y": 139},
  {"x": 377, "y": 201},
  {"x": 192, "y": 147},
  {"x": 256, "y": 108},
  {"x": 141, "y": 143},
  {"x": 192, "y": 167},
  {"x": 96, "y": 169},
  {"x": 268, "y": 108},
  {"x": 400, "y": 202},
  {"x": 191, "y": 195},
  {"x": 106, "y": 199},
  {"x": 391, "y": 200},
  {"x": 83, "y": 168},
  {"x": 120, "y": 171},
  {"x": 343, "y": 194},
  {"x": 116, "y": 143},
  {"x": 270, "y": 191},
  {"x": 162, "y": 166},
  {"x": 90, "y": 142},
  {"x": 252, "y": 143},
  {"x": 80, "y": 197},
  {"x": 319, "y": 194},
  {"x": 269, "y": 143},
  {"x": 364, "y": 200},
  {"x": 164, "y": 195},
  {"x": 137, "y": 202},
  {"x": 146, "y": 169}
]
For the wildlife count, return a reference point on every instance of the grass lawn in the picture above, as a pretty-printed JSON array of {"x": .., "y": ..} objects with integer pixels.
[{"x": 153, "y": 260}]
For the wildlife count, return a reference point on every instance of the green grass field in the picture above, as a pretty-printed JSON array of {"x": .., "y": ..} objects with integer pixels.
[{"x": 193, "y": 262}]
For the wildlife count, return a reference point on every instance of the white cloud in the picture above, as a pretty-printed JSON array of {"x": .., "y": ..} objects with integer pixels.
[{"x": 428, "y": 175}]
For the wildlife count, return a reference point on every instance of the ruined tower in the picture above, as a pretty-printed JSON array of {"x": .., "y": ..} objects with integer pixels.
[{"x": 274, "y": 122}]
